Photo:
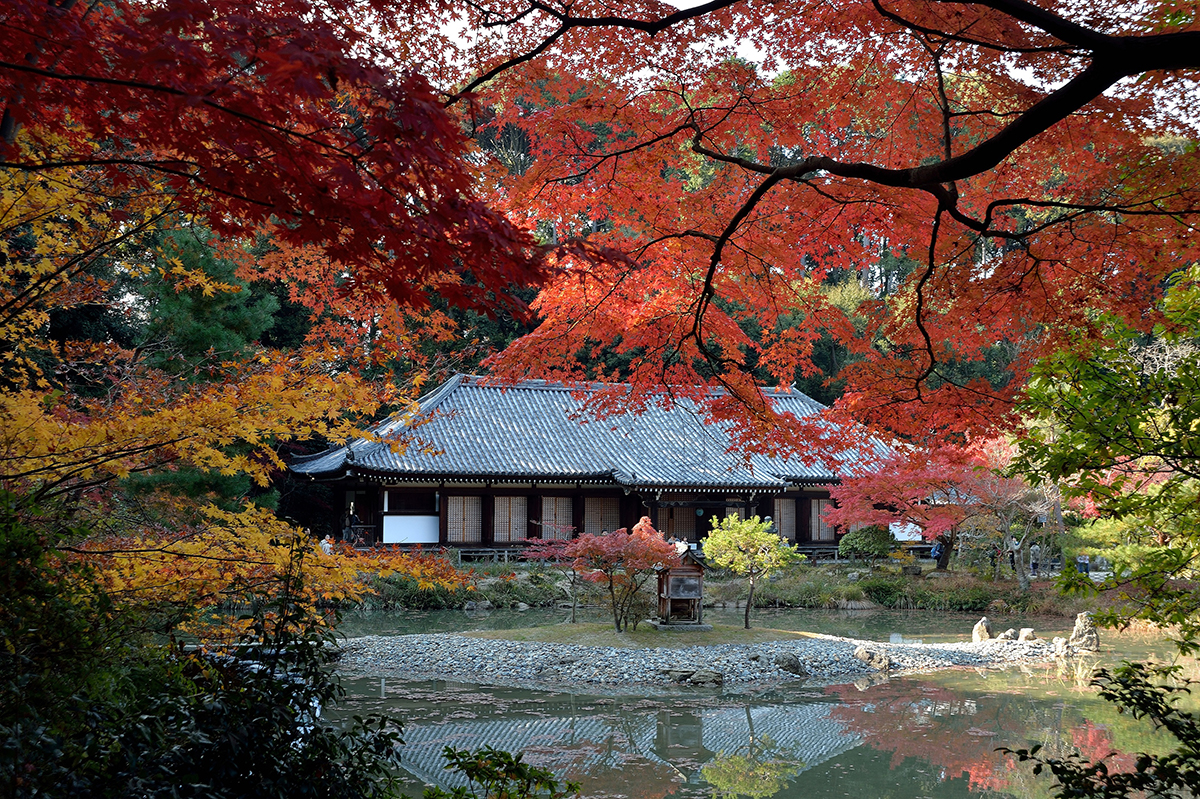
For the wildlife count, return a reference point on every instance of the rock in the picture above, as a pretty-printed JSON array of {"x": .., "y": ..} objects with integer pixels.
[
  {"x": 678, "y": 675},
  {"x": 786, "y": 661},
  {"x": 754, "y": 658},
  {"x": 707, "y": 677},
  {"x": 1027, "y": 634},
  {"x": 1008, "y": 635},
  {"x": 982, "y": 630},
  {"x": 522, "y": 606},
  {"x": 852, "y": 577},
  {"x": 484, "y": 604},
  {"x": 870, "y": 681},
  {"x": 938, "y": 574},
  {"x": 874, "y": 658},
  {"x": 1061, "y": 648},
  {"x": 469, "y": 605},
  {"x": 1084, "y": 637},
  {"x": 912, "y": 570}
]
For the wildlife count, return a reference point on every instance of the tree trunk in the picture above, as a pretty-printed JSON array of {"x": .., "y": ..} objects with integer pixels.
[
  {"x": 1022, "y": 572},
  {"x": 1019, "y": 567},
  {"x": 943, "y": 561},
  {"x": 574, "y": 594},
  {"x": 749, "y": 603},
  {"x": 612, "y": 595}
]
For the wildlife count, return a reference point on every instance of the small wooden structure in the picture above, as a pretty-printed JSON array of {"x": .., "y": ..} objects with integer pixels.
[{"x": 681, "y": 591}]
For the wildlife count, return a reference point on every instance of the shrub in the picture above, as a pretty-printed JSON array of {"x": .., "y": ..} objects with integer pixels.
[
  {"x": 898, "y": 593},
  {"x": 890, "y": 592},
  {"x": 796, "y": 590},
  {"x": 534, "y": 590},
  {"x": 872, "y": 543},
  {"x": 401, "y": 591}
]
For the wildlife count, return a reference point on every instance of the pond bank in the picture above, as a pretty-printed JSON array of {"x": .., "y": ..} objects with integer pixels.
[{"x": 817, "y": 659}]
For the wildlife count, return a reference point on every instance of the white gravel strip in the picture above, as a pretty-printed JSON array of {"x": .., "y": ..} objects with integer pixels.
[{"x": 823, "y": 659}]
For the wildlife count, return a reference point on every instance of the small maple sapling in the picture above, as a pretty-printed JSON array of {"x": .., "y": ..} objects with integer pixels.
[
  {"x": 749, "y": 548},
  {"x": 623, "y": 562},
  {"x": 551, "y": 552}
]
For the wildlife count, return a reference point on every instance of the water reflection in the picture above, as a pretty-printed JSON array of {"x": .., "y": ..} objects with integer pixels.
[
  {"x": 928, "y": 736},
  {"x": 933, "y": 736},
  {"x": 659, "y": 750}
]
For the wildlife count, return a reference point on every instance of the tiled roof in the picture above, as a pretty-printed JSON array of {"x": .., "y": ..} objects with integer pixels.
[
  {"x": 535, "y": 431},
  {"x": 578, "y": 746}
]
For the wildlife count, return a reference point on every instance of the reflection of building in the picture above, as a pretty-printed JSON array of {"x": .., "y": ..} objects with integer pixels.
[
  {"x": 575, "y": 747},
  {"x": 490, "y": 467}
]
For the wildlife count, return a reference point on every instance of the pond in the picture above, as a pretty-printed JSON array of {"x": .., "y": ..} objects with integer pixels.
[{"x": 932, "y": 735}]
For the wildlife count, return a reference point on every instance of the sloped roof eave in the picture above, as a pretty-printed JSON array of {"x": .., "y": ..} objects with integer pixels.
[{"x": 536, "y": 432}]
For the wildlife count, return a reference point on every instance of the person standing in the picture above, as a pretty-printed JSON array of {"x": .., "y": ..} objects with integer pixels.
[{"x": 1035, "y": 556}]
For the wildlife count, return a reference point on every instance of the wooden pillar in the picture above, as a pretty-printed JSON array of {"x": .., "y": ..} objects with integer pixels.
[
  {"x": 577, "y": 514},
  {"x": 487, "y": 525}
]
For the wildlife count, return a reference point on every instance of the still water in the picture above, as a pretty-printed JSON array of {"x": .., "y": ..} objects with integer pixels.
[{"x": 928, "y": 736}]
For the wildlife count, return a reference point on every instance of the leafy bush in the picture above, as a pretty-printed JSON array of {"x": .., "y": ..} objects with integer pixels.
[
  {"x": 899, "y": 593},
  {"x": 872, "y": 543},
  {"x": 400, "y": 591},
  {"x": 495, "y": 773},
  {"x": 133, "y": 718},
  {"x": 890, "y": 592},
  {"x": 797, "y": 589},
  {"x": 535, "y": 590}
]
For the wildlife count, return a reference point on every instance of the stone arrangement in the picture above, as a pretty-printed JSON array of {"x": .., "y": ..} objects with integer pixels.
[
  {"x": 1084, "y": 637},
  {"x": 818, "y": 659}
]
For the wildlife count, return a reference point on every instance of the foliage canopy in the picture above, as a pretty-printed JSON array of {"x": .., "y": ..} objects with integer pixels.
[{"x": 749, "y": 548}]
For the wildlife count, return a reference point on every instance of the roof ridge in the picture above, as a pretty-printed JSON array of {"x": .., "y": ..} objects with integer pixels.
[
  {"x": 436, "y": 397},
  {"x": 541, "y": 384}
]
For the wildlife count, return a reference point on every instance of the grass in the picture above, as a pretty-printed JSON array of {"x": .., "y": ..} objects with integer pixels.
[{"x": 645, "y": 637}]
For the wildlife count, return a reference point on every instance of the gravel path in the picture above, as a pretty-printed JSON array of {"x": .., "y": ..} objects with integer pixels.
[{"x": 821, "y": 659}]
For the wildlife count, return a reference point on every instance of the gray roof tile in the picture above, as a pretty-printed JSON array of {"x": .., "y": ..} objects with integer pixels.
[{"x": 536, "y": 431}]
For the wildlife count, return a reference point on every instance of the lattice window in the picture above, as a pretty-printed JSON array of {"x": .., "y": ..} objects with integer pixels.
[
  {"x": 739, "y": 511},
  {"x": 785, "y": 518},
  {"x": 677, "y": 523},
  {"x": 600, "y": 514},
  {"x": 821, "y": 529},
  {"x": 511, "y": 520},
  {"x": 558, "y": 518},
  {"x": 464, "y": 520},
  {"x": 685, "y": 524}
]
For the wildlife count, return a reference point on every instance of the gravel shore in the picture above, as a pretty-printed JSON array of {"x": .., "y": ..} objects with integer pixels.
[{"x": 820, "y": 659}]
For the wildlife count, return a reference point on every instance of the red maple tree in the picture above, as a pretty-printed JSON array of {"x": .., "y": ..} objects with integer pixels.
[
  {"x": 288, "y": 118},
  {"x": 623, "y": 562},
  {"x": 987, "y": 173},
  {"x": 993, "y": 174},
  {"x": 945, "y": 492}
]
